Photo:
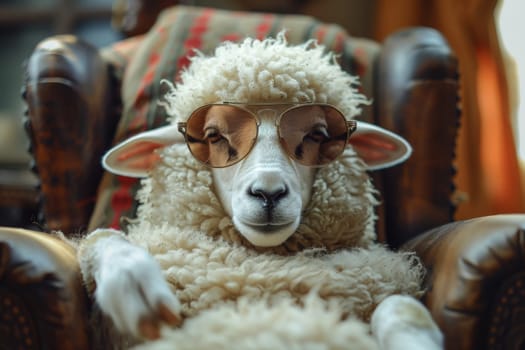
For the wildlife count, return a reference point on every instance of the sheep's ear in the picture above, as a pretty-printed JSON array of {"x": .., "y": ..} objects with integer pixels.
[
  {"x": 378, "y": 147},
  {"x": 137, "y": 155}
]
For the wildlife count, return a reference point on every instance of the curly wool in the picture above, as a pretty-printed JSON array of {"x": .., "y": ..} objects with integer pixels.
[
  {"x": 264, "y": 71},
  {"x": 205, "y": 272},
  {"x": 259, "y": 326}
]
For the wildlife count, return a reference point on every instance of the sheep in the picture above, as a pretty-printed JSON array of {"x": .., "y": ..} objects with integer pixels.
[{"x": 256, "y": 222}]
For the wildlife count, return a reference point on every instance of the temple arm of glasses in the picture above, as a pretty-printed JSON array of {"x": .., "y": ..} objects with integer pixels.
[
  {"x": 181, "y": 127},
  {"x": 352, "y": 127}
]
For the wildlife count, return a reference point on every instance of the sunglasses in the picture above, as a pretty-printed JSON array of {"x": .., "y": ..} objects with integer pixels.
[{"x": 222, "y": 134}]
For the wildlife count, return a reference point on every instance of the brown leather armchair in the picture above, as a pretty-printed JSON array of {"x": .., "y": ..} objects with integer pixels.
[{"x": 476, "y": 268}]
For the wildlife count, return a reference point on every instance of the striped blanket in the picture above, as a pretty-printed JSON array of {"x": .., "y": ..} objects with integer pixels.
[{"x": 140, "y": 63}]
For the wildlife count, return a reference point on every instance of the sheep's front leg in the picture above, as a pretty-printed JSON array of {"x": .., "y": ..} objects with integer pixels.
[
  {"x": 130, "y": 287},
  {"x": 403, "y": 323}
]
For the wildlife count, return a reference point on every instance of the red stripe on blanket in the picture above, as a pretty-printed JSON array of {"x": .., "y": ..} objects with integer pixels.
[
  {"x": 265, "y": 26},
  {"x": 360, "y": 53},
  {"x": 321, "y": 33},
  {"x": 234, "y": 37},
  {"x": 138, "y": 123},
  {"x": 122, "y": 200},
  {"x": 194, "y": 40},
  {"x": 339, "y": 42},
  {"x": 153, "y": 63}
]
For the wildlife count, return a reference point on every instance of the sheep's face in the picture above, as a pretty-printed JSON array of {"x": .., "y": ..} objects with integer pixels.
[
  {"x": 263, "y": 158},
  {"x": 265, "y": 192}
]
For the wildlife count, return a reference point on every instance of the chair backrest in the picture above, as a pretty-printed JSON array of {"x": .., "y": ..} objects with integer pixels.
[
  {"x": 417, "y": 94},
  {"x": 412, "y": 81}
]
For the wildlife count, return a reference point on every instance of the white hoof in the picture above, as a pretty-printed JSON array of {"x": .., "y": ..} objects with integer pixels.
[
  {"x": 131, "y": 289},
  {"x": 403, "y": 323}
]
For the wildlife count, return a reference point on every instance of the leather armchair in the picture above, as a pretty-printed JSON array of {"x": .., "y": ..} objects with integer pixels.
[
  {"x": 475, "y": 282},
  {"x": 43, "y": 304},
  {"x": 476, "y": 268}
]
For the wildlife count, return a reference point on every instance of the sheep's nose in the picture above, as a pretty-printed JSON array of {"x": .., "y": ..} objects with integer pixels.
[{"x": 269, "y": 199}]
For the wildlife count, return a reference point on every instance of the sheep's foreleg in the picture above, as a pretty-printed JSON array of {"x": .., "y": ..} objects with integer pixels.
[
  {"x": 130, "y": 287},
  {"x": 403, "y": 323}
]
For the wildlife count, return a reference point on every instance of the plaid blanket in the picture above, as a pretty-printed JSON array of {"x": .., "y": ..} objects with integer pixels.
[{"x": 139, "y": 63}]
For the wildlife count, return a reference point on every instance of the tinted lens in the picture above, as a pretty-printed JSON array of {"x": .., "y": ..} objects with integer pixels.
[
  {"x": 313, "y": 135},
  {"x": 221, "y": 135}
]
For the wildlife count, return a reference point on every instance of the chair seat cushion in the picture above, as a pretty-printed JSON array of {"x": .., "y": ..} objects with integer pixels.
[{"x": 140, "y": 63}]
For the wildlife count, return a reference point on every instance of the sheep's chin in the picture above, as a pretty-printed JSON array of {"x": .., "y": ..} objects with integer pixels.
[{"x": 262, "y": 237}]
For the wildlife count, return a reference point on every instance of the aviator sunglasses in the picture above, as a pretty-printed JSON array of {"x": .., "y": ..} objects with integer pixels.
[{"x": 222, "y": 134}]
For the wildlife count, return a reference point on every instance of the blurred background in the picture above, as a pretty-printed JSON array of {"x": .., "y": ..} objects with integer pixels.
[{"x": 485, "y": 35}]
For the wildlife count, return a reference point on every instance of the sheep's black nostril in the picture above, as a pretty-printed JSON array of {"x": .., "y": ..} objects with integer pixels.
[{"x": 269, "y": 199}]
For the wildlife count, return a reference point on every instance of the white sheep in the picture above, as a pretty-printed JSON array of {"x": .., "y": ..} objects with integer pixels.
[{"x": 263, "y": 235}]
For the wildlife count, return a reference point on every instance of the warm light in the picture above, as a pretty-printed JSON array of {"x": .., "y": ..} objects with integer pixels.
[{"x": 512, "y": 28}]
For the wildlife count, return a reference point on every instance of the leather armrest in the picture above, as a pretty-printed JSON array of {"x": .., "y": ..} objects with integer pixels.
[
  {"x": 416, "y": 97},
  {"x": 476, "y": 280},
  {"x": 43, "y": 304},
  {"x": 71, "y": 121}
]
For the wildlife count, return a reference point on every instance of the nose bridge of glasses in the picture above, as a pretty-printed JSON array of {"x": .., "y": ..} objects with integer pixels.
[
  {"x": 266, "y": 113},
  {"x": 267, "y": 147}
]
